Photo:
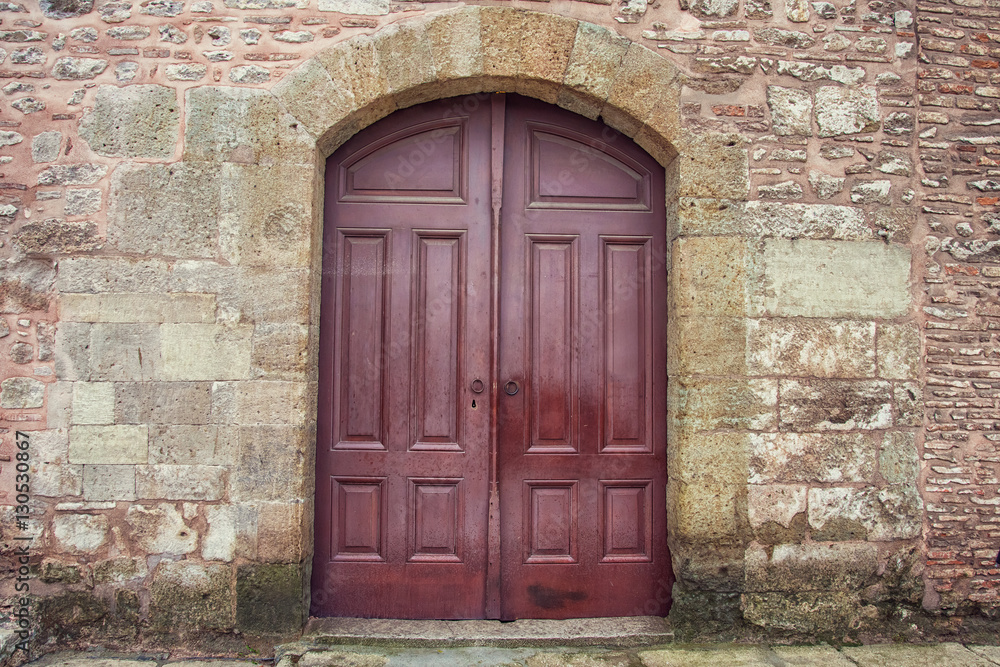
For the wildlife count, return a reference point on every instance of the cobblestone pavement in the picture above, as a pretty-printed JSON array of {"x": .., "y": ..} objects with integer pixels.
[{"x": 886, "y": 655}]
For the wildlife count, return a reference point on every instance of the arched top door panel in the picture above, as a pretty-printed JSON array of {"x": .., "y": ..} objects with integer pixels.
[
  {"x": 571, "y": 170},
  {"x": 424, "y": 163}
]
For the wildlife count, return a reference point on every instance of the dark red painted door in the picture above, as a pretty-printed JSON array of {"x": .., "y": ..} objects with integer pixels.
[{"x": 432, "y": 332}]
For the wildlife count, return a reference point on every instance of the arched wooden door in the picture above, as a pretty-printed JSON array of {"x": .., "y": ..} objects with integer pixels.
[{"x": 492, "y": 406}]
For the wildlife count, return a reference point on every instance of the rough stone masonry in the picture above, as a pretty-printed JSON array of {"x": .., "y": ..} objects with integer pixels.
[{"x": 834, "y": 209}]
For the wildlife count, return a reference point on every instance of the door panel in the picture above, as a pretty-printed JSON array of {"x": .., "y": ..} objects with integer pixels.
[
  {"x": 581, "y": 458},
  {"x": 407, "y": 450},
  {"x": 402, "y": 458}
]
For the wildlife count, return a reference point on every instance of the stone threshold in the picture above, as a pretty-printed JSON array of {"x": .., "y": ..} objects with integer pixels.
[{"x": 624, "y": 632}]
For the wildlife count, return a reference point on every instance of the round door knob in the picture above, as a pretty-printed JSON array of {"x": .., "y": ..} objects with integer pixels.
[
  {"x": 478, "y": 386},
  {"x": 510, "y": 388}
]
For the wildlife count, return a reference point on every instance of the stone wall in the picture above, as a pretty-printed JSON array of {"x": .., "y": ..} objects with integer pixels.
[{"x": 160, "y": 205}]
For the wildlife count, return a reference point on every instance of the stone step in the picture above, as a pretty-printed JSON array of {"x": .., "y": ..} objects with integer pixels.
[{"x": 609, "y": 632}]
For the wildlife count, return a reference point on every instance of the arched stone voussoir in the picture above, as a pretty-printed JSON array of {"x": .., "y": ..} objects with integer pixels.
[{"x": 577, "y": 65}]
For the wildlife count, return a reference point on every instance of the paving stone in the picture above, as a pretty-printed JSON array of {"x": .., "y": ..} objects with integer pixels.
[
  {"x": 914, "y": 656},
  {"x": 743, "y": 656}
]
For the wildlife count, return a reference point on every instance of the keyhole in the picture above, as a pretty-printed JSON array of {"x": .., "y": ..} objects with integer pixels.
[{"x": 473, "y": 403}]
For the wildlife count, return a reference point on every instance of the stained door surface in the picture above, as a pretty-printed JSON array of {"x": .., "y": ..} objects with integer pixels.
[{"x": 491, "y": 433}]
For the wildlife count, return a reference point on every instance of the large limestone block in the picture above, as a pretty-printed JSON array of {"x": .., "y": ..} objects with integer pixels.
[
  {"x": 710, "y": 277},
  {"x": 812, "y": 457},
  {"x": 713, "y": 165},
  {"x": 187, "y": 596},
  {"x": 251, "y": 294},
  {"x": 811, "y": 567},
  {"x": 757, "y": 219},
  {"x": 80, "y": 534},
  {"x": 134, "y": 121},
  {"x": 180, "y": 482},
  {"x": 56, "y": 480},
  {"x": 775, "y": 503},
  {"x": 108, "y": 482},
  {"x": 284, "y": 531},
  {"x": 811, "y": 348},
  {"x": 165, "y": 209},
  {"x": 109, "y": 444},
  {"x": 205, "y": 444},
  {"x": 709, "y": 458},
  {"x": 899, "y": 461},
  {"x": 724, "y": 403},
  {"x": 246, "y": 125},
  {"x": 267, "y": 215},
  {"x": 260, "y": 402},
  {"x": 271, "y": 464},
  {"x": 707, "y": 346},
  {"x": 94, "y": 275},
  {"x": 835, "y": 405},
  {"x": 133, "y": 307},
  {"x": 526, "y": 51},
  {"x": 835, "y": 279},
  {"x": 160, "y": 529},
  {"x": 282, "y": 352},
  {"x": 899, "y": 351},
  {"x": 163, "y": 403},
  {"x": 205, "y": 351},
  {"x": 354, "y": 67},
  {"x": 808, "y": 611},
  {"x": 122, "y": 352},
  {"x": 270, "y": 598},
  {"x": 848, "y": 513},
  {"x": 703, "y": 512}
]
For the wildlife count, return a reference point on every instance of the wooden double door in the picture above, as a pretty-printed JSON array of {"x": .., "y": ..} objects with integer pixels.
[{"x": 492, "y": 407}]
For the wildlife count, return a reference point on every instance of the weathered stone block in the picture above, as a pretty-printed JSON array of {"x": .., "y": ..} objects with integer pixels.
[
  {"x": 713, "y": 165},
  {"x": 309, "y": 94},
  {"x": 72, "y": 174},
  {"x": 45, "y": 146},
  {"x": 835, "y": 405},
  {"x": 835, "y": 279},
  {"x": 132, "y": 307},
  {"x": 699, "y": 457},
  {"x": 841, "y": 110},
  {"x": 809, "y": 611},
  {"x": 354, "y": 66},
  {"x": 456, "y": 47},
  {"x": 709, "y": 277},
  {"x": 124, "y": 351},
  {"x": 405, "y": 59},
  {"x": 775, "y": 503},
  {"x": 271, "y": 464},
  {"x": 108, "y": 444},
  {"x": 707, "y": 404},
  {"x": 362, "y": 7},
  {"x": 26, "y": 286},
  {"x": 21, "y": 393},
  {"x": 842, "y": 513},
  {"x": 899, "y": 351},
  {"x": 54, "y": 236},
  {"x": 260, "y": 402},
  {"x": 756, "y": 219},
  {"x": 101, "y": 274},
  {"x": 817, "y": 348},
  {"x": 133, "y": 121},
  {"x": 56, "y": 480},
  {"x": 811, "y": 457},
  {"x": 205, "y": 351},
  {"x": 108, "y": 482},
  {"x": 80, "y": 534},
  {"x": 791, "y": 111},
  {"x": 270, "y": 599},
  {"x": 707, "y": 346},
  {"x": 93, "y": 403},
  {"x": 281, "y": 352},
  {"x": 190, "y": 596},
  {"x": 267, "y": 217},
  {"x": 190, "y": 444},
  {"x": 898, "y": 461},
  {"x": 160, "y": 529},
  {"x": 120, "y": 570},
  {"x": 76, "y": 69},
  {"x": 180, "y": 482},
  {"x": 811, "y": 567},
  {"x": 284, "y": 532},
  {"x": 163, "y": 403},
  {"x": 83, "y": 201},
  {"x": 909, "y": 408},
  {"x": 165, "y": 209},
  {"x": 703, "y": 511},
  {"x": 219, "y": 542}
]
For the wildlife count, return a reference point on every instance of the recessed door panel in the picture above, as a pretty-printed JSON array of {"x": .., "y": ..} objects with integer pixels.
[{"x": 491, "y": 438}]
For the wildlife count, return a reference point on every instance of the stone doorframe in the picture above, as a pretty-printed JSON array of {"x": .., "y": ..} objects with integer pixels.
[{"x": 271, "y": 149}]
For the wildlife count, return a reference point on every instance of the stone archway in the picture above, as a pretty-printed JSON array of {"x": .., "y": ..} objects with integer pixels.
[{"x": 287, "y": 133}]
